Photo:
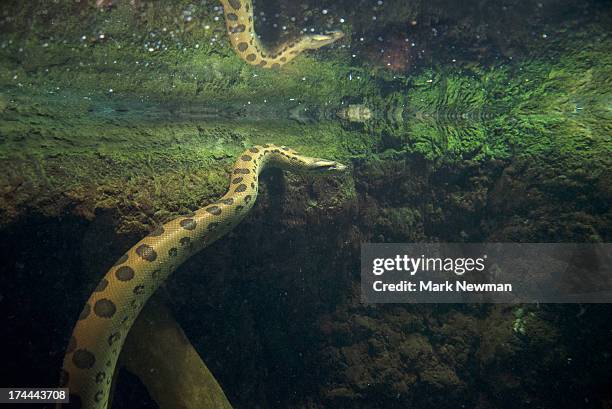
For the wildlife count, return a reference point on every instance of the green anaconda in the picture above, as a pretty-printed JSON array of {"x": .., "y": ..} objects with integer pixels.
[
  {"x": 116, "y": 302},
  {"x": 108, "y": 315},
  {"x": 241, "y": 31}
]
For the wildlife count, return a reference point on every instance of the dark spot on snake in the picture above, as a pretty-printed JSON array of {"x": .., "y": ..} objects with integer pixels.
[
  {"x": 155, "y": 273},
  {"x": 101, "y": 285},
  {"x": 239, "y": 208},
  {"x": 114, "y": 337},
  {"x": 232, "y": 16},
  {"x": 159, "y": 230},
  {"x": 247, "y": 198},
  {"x": 228, "y": 202},
  {"x": 139, "y": 289},
  {"x": 239, "y": 28},
  {"x": 251, "y": 41},
  {"x": 146, "y": 252},
  {"x": 254, "y": 150},
  {"x": 121, "y": 260},
  {"x": 188, "y": 224},
  {"x": 83, "y": 359},
  {"x": 283, "y": 59},
  {"x": 242, "y": 171},
  {"x": 212, "y": 226},
  {"x": 237, "y": 180},
  {"x": 75, "y": 402},
  {"x": 124, "y": 273},
  {"x": 105, "y": 308},
  {"x": 275, "y": 65},
  {"x": 134, "y": 304},
  {"x": 85, "y": 313},
  {"x": 64, "y": 378},
  {"x": 263, "y": 63},
  {"x": 185, "y": 241},
  {"x": 241, "y": 188},
  {"x": 99, "y": 395},
  {"x": 284, "y": 148},
  {"x": 251, "y": 57},
  {"x": 72, "y": 344},
  {"x": 100, "y": 376},
  {"x": 216, "y": 210},
  {"x": 125, "y": 319},
  {"x": 242, "y": 47},
  {"x": 252, "y": 185},
  {"x": 250, "y": 18},
  {"x": 173, "y": 252},
  {"x": 235, "y": 4}
]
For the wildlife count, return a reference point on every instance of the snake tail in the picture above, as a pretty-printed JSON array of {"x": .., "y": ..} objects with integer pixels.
[{"x": 114, "y": 305}]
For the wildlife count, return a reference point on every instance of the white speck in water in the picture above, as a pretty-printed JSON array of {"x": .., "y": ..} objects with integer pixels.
[
  {"x": 110, "y": 90},
  {"x": 324, "y": 11},
  {"x": 341, "y": 20}
]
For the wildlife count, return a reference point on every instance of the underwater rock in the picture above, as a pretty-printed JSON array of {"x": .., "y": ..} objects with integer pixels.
[{"x": 355, "y": 113}]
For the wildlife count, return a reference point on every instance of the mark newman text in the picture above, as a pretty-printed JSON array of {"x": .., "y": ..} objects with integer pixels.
[{"x": 447, "y": 286}]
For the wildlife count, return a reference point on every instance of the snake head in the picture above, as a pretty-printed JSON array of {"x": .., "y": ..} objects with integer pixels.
[
  {"x": 326, "y": 166},
  {"x": 314, "y": 41}
]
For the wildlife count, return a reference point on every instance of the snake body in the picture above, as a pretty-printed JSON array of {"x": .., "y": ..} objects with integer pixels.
[
  {"x": 246, "y": 43},
  {"x": 111, "y": 310}
]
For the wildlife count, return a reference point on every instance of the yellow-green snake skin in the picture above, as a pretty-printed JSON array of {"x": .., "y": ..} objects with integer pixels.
[
  {"x": 241, "y": 31},
  {"x": 102, "y": 327}
]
